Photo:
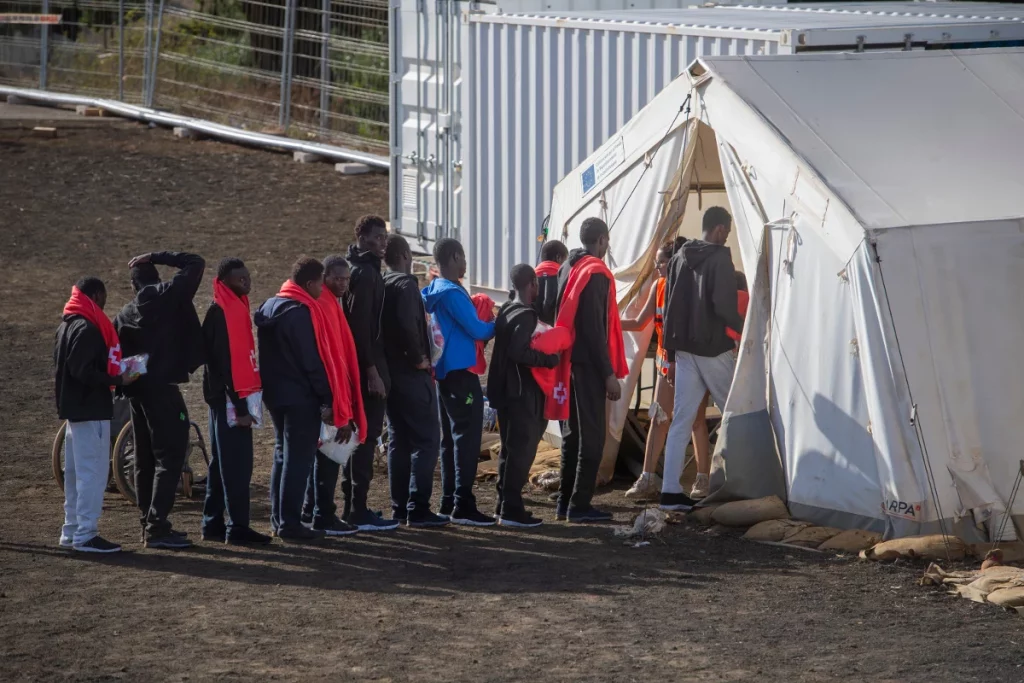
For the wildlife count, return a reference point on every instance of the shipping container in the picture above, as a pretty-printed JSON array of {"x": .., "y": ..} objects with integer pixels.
[{"x": 491, "y": 109}]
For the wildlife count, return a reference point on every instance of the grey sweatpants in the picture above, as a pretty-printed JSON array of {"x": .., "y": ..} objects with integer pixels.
[
  {"x": 695, "y": 375},
  {"x": 86, "y": 463}
]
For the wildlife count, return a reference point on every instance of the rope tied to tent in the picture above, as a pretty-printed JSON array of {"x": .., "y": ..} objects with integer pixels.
[{"x": 1009, "y": 505}]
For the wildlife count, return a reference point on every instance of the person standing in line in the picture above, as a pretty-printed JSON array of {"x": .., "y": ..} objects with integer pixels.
[
  {"x": 87, "y": 358},
  {"x": 589, "y": 372},
  {"x": 552, "y": 255},
  {"x": 364, "y": 306},
  {"x": 161, "y": 321},
  {"x": 515, "y": 394},
  {"x": 461, "y": 397},
  {"x": 231, "y": 374},
  {"x": 323, "y": 479},
  {"x": 414, "y": 429},
  {"x": 700, "y": 306}
]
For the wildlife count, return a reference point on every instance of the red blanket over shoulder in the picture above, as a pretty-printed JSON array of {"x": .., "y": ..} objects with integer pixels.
[
  {"x": 485, "y": 311},
  {"x": 545, "y": 268},
  {"x": 557, "y": 404}
]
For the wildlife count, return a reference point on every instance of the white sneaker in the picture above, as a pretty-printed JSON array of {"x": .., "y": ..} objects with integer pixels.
[
  {"x": 647, "y": 487},
  {"x": 701, "y": 487}
]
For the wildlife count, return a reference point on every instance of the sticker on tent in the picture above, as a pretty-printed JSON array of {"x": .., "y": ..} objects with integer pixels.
[
  {"x": 902, "y": 509},
  {"x": 607, "y": 160}
]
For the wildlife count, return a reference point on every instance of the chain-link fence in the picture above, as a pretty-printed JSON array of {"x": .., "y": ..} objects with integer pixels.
[{"x": 305, "y": 68}]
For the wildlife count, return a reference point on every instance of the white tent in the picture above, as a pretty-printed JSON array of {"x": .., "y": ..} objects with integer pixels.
[{"x": 878, "y": 203}]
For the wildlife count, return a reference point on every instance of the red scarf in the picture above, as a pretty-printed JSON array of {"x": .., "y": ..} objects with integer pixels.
[
  {"x": 485, "y": 311},
  {"x": 546, "y": 268},
  {"x": 557, "y": 404},
  {"x": 245, "y": 373},
  {"x": 338, "y": 353},
  {"x": 742, "y": 302},
  {"x": 80, "y": 304}
]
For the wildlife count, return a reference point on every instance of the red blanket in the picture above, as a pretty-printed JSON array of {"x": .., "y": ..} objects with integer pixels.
[
  {"x": 80, "y": 304},
  {"x": 742, "y": 301},
  {"x": 245, "y": 374},
  {"x": 338, "y": 353},
  {"x": 546, "y": 268},
  {"x": 485, "y": 311},
  {"x": 557, "y": 404}
]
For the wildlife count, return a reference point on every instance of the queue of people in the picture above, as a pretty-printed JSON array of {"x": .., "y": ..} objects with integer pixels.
[{"x": 346, "y": 341}]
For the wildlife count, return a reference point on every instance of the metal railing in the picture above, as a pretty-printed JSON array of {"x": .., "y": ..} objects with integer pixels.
[{"x": 308, "y": 69}]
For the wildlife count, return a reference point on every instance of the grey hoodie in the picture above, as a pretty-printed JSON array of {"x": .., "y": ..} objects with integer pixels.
[{"x": 700, "y": 300}]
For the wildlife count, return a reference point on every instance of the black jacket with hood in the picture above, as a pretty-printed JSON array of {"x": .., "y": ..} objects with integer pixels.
[
  {"x": 364, "y": 308},
  {"x": 290, "y": 366},
  {"x": 509, "y": 379},
  {"x": 591, "y": 345},
  {"x": 700, "y": 300},
  {"x": 218, "y": 385},
  {"x": 404, "y": 324},
  {"x": 162, "y": 321},
  {"x": 546, "y": 303},
  {"x": 81, "y": 383}
]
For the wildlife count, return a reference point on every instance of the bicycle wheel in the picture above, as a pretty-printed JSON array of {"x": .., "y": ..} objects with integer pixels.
[
  {"x": 57, "y": 455},
  {"x": 122, "y": 462}
]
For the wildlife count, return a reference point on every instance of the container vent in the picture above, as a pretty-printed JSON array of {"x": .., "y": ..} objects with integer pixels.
[{"x": 410, "y": 189}]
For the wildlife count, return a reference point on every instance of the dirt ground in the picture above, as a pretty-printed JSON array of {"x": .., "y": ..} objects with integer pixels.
[{"x": 554, "y": 604}]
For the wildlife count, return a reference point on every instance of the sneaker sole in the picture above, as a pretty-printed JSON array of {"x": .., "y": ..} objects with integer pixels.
[
  {"x": 236, "y": 542},
  {"x": 377, "y": 527},
  {"x": 470, "y": 522},
  {"x": 427, "y": 525},
  {"x": 517, "y": 525},
  {"x": 338, "y": 534},
  {"x": 293, "y": 539},
  {"x": 679, "y": 507},
  {"x": 168, "y": 546},
  {"x": 84, "y": 549}
]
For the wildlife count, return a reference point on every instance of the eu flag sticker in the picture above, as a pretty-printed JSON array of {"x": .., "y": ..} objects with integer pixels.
[{"x": 589, "y": 178}]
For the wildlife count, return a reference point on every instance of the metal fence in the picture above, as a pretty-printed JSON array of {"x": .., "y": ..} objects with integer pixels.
[{"x": 312, "y": 69}]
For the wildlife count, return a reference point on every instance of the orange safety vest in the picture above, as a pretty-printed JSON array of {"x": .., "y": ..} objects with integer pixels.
[{"x": 662, "y": 360}]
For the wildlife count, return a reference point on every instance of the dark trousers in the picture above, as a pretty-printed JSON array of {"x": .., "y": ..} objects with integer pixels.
[
  {"x": 160, "y": 426},
  {"x": 583, "y": 436},
  {"x": 296, "y": 434},
  {"x": 414, "y": 443},
  {"x": 227, "y": 486},
  {"x": 355, "y": 480},
  {"x": 521, "y": 425},
  {"x": 320, "y": 489},
  {"x": 462, "y": 407}
]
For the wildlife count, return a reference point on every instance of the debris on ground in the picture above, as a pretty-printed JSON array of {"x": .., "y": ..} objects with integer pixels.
[
  {"x": 650, "y": 522},
  {"x": 548, "y": 480}
]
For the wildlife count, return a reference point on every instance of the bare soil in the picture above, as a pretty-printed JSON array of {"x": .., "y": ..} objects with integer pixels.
[{"x": 556, "y": 604}]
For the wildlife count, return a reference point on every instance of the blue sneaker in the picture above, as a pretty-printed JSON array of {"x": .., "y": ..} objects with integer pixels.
[{"x": 371, "y": 521}]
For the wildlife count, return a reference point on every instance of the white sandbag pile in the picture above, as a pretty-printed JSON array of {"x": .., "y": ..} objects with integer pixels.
[
  {"x": 806, "y": 535},
  {"x": 744, "y": 513},
  {"x": 998, "y": 585}
]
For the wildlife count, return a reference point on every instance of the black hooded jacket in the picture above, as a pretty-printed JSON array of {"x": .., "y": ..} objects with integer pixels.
[
  {"x": 546, "y": 303},
  {"x": 508, "y": 377},
  {"x": 162, "y": 321},
  {"x": 591, "y": 345},
  {"x": 81, "y": 383},
  {"x": 364, "y": 308},
  {"x": 290, "y": 366},
  {"x": 404, "y": 324},
  {"x": 700, "y": 300}
]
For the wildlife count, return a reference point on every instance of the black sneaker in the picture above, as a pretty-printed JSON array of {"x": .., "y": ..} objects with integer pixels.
[
  {"x": 246, "y": 536},
  {"x": 371, "y": 521},
  {"x": 301, "y": 534},
  {"x": 679, "y": 502},
  {"x": 167, "y": 541},
  {"x": 561, "y": 511},
  {"x": 214, "y": 536},
  {"x": 400, "y": 517},
  {"x": 426, "y": 520},
  {"x": 306, "y": 518},
  {"x": 97, "y": 544},
  {"x": 447, "y": 507},
  {"x": 471, "y": 517},
  {"x": 336, "y": 527},
  {"x": 523, "y": 520},
  {"x": 588, "y": 515}
]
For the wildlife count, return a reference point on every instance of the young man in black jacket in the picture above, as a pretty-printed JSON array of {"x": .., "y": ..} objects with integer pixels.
[
  {"x": 414, "y": 429},
  {"x": 297, "y": 394},
  {"x": 161, "y": 321},
  {"x": 364, "y": 307},
  {"x": 552, "y": 255},
  {"x": 700, "y": 303},
  {"x": 514, "y": 393},
  {"x": 87, "y": 366},
  {"x": 593, "y": 380},
  {"x": 227, "y": 486}
]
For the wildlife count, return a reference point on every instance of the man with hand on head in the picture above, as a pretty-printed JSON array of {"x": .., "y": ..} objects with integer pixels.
[
  {"x": 231, "y": 375},
  {"x": 161, "y": 321},
  {"x": 415, "y": 433},
  {"x": 87, "y": 358}
]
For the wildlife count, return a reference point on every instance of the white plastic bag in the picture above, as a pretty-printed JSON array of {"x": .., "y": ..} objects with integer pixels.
[
  {"x": 338, "y": 452},
  {"x": 254, "y": 404},
  {"x": 436, "y": 338},
  {"x": 136, "y": 365}
]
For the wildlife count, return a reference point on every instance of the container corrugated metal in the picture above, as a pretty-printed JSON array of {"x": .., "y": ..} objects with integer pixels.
[{"x": 541, "y": 92}]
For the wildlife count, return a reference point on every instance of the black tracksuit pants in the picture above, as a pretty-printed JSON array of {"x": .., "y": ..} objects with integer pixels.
[
  {"x": 414, "y": 442},
  {"x": 583, "y": 436},
  {"x": 521, "y": 425},
  {"x": 160, "y": 426},
  {"x": 227, "y": 485},
  {"x": 462, "y": 406},
  {"x": 355, "y": 480}
]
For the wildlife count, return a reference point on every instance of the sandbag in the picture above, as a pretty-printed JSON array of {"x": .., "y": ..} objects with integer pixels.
[
  {"x": 811, "y": 536},
  {"x": 702, "y": 515},
  {"x": 930, "y": 547},
  {"x": 750, "y": 512},
  {"x": 1012, "y": 597},
  {"x": 851, "y": 541},
  {"x": 774, "y": 530},
  {"x": 1012, "y": 551}
]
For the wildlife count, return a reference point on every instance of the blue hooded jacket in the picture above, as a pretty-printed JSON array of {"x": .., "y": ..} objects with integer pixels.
[{"x": 455, "y": 313}]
